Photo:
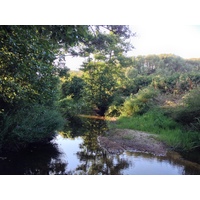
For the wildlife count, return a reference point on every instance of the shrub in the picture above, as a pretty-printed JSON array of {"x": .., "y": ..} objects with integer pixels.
[
  {"x": 71, "y": 108},
  {"x": 29, "y": 124},
  {"x": 140, "y": 102},
  {"x": 114, "y": 110},
  {"x": 192, "y": 100},
  {"x": 189, "y": 113}
]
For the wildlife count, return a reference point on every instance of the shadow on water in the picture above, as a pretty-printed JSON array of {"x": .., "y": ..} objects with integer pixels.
[
  {"x": 54, "y": 159},
  {"x": 76, "y": 151},
  {"x": 35, "y": 160}
]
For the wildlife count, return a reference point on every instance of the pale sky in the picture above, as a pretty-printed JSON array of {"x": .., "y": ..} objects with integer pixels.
[{"x": 180, "y": 40}]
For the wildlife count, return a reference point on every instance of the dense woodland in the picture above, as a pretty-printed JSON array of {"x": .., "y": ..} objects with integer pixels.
[{"x": 39, "y": 95}]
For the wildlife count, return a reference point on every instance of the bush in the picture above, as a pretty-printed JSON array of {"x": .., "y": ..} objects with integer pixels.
[
  {"x": 70, "y": 108},
  {"x": 192, "y": 100},
  {"x": 189, "y": 113},
  {"x": 114, "y": 110},
  {"x": 30, "y": 124},
  {"x": 140, "y": 102}
]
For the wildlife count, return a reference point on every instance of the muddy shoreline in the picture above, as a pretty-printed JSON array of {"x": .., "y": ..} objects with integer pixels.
[{"x": 119, "y": 140}]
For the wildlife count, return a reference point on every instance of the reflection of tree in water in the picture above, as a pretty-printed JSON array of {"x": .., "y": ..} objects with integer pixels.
[
  {"x": 46, "y": 159},
  {"x": 34, "y": 161},
  {"x": 97, "y": 126},
  {"x": 193, "y": 162},
  {"x": 54, "y": 167},
  {"x": 95, "y": 160},
  {"x": 105, "y": 164},
  {"x": 175, "y": 159},
  {"x": 72, "y": 128},
  {"x": 188, "y": 168}
]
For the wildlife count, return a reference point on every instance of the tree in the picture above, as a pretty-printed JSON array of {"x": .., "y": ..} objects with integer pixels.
[
  {"x": 103, "y": 71},
  {"x": 27, "y": 54},
  {"x": 73, "y": 87},
  {"x": 100, "y": 85},
  {"x": 29, "y": 75},
  {"x": 26, "y": 62}
]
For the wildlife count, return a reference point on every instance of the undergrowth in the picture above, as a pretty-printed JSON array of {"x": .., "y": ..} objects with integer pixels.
[{"x": 169, "y": 131}]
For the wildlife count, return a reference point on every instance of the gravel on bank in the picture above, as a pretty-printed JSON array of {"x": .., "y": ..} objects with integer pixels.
[{"x": 119, "y": 140}]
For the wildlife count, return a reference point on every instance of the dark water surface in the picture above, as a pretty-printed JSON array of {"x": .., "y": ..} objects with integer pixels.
[{"x": 76, "y": 152}]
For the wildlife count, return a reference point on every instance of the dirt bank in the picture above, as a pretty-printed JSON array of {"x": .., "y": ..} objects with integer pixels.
[{"x": 119, "y": 140}]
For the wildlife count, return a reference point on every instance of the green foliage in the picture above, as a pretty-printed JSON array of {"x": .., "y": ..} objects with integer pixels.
[
  {"x": 168, "y": 75},
  {"x": 193, "y": 63},
  {"x": 140, "y": 102},
  {"x": 63, "y": 72},
  {"x": 167, "y": 72},
  {"x": 29, "y": 124},
  {"x": 115, "y": 109},
  {"x": 100, "y": 80},
  {"x": 131, "y": 72},
  {"x": 106, "y": 47},
  {"x": 189, "y": 113},
  {"x": 26, "y": 66},
  {"x": 29, "y": 75},
  {"x": 71, "y": 108},
  {"x": 134, "y": 81},
  {"x": 154, "y": 121},
  {"x": 73, "y": 87},
  {"x": 192, "y": 100},
  {"x": 27, "y": 54}
]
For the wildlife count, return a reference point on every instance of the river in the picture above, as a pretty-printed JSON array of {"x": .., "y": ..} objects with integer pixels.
[{"x": 75, "y": 152}]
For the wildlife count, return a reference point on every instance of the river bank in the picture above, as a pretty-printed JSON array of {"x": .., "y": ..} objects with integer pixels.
[{"x": 119, "y": 140}]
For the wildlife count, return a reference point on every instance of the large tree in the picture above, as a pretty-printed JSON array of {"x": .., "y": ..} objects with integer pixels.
[
  {"x": 27, "y": 53},
  {"x": 103, "y": 71},
  {"x": 27, "y": 73}
]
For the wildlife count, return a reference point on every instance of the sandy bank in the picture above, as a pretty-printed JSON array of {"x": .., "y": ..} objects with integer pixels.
[{"x": 119, "y": 140}]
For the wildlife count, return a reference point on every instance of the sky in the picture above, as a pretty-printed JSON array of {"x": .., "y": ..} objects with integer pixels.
[
  {"x": 165, "y": 26},
  {"x": 181, "y": 40}
]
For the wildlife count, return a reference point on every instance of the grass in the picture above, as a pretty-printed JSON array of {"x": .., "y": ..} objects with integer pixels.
[{"x": 168, "y": 130}]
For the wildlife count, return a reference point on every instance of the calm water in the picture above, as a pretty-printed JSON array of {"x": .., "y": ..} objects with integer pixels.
[{"x": 75, "y": 151}]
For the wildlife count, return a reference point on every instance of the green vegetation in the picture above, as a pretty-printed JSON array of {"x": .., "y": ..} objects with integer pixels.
[
  {"x": 161, "y": 96},
  {"x": 29, "y": 124},
  {"x": 166, "y": 128},
  {"x": 39, "y": 95},
  {"x": 140, "y": 102},
  {"x": 36, "y": 94},
  {"x": 156, "y": 93}
]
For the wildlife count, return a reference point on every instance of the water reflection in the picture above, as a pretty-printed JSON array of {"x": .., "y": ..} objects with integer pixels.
[
  {"x": 102, "y": 165},
  {"x": 76, "y": 152},
  {"x": 35, "y": 160},
  {"x": 93, "y": 159},
  {"x": 172, "y": 163}
]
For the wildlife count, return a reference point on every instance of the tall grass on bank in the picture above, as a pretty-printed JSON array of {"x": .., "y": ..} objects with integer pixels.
[{"x": 168, "y": 130}]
